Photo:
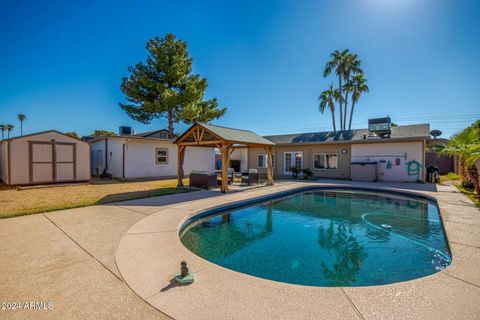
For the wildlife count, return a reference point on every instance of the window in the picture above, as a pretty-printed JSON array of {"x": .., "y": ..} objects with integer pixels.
[
  {"x": 328, "y": 161},
  {"x": 161, "y": 156},
  {"x": 262, "y": 161}
]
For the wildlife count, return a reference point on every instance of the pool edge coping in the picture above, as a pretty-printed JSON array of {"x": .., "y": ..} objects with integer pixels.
[{"x": 212, "y": 209}]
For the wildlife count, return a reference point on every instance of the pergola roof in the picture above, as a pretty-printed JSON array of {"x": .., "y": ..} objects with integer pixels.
[
  {"x": 203, "y": 134},
  {"x": 225, "y": 139}
]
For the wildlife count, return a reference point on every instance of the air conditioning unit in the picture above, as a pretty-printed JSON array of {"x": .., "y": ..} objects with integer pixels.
[
  {"x": 381, "y": 127},
  {"x": 125, "y": 131}
]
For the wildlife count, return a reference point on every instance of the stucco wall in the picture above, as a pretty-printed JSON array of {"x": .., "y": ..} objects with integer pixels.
[
  {"x": 384, "y": 152},
  {"x": 197, "y": 158},
  {"x": 19, "y": 158},
  {"x": 242, "y": 155},
  {"x": 343, "y": 171},
  {"x": 140, "y": 158}
]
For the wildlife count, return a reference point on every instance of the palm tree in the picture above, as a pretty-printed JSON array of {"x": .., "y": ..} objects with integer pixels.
[
  {"x": 21, "y": 118},
  {"x": 9, "y": 128},
  {"x": 338, "y": 62},
  {"x": 356, "y": 86},
  {"x": 466, "y": 146},
  {"x": 3, "y": 127},
  {"x": 328, "y": 97},
  {"x": 352, "y": 67}
]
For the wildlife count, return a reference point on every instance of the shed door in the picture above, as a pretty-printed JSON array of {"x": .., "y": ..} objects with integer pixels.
[
  {"x": 52, "y": 162},
  {"x": 41, "y": 167},
  {"x": 64, "y": 162}
]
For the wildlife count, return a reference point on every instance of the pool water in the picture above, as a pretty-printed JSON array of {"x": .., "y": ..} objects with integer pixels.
[{"x": 326, "y": 238}]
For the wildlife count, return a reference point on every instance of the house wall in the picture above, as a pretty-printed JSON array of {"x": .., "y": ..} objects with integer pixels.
[
  {"x": 4, "y": 161},
  {"x": 384, "y": 152},
  {"x": 97, "y": 145},
  {"x": 19, "y": 157},
  {"x": 140, "y": 158},
  {"x": 197, "y": 158},
  {"x": 343, "y": 171},
  {"x": 242, "y": 155},
  {"x": 114, "y": 159}
]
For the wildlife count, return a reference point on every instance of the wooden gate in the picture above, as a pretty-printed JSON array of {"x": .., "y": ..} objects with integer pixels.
[{"x": 443, "y": 162}]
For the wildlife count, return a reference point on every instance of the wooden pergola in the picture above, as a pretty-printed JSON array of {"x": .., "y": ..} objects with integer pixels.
[{"x": 226, "y": 140}]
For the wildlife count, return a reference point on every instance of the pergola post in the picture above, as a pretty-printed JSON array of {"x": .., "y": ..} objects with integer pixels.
[
  {"x": 269, "y": 166},
  {"x": 181, "y": 156},
  {"x": 224, "y": 187}
]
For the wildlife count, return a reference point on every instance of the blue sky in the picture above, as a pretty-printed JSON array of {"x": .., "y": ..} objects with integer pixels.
[{"x": 61, "y": 62}]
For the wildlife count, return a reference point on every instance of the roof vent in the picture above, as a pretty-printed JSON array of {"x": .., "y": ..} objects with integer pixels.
[
  {"x": 381, "y": 127},
  {"x": 125, "y": 131}
]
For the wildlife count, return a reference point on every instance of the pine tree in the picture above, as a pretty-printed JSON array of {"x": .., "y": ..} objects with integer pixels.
[{"x": 164, "y": 86}]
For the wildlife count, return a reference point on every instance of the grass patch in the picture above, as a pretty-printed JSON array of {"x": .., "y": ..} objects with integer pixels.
[
  {"x": 470, "y": 193},
  {"x": 449, "y": 177},
  {"x": 453, "y": 176},
  {"x": 14, "y": 202}
]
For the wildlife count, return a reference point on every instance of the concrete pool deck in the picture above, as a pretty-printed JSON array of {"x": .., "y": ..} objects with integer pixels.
[
  {"x": 88, "y": 260},
  {"x": 149, "y": 254}
]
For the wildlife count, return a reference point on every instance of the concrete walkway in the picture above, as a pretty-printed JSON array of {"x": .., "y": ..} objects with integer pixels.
[{"x": 68, "y": 257}]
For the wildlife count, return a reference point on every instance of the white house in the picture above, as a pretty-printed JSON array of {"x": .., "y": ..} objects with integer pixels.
[{"x": 145, "y": 155}]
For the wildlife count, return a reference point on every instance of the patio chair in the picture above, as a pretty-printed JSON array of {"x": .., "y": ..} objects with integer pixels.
[
  {"x": 250, "y": 177},
  {"x": 230, "y": 176}
]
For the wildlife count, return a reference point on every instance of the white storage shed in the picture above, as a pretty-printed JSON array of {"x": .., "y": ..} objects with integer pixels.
[{"x": 44, "y": 157}]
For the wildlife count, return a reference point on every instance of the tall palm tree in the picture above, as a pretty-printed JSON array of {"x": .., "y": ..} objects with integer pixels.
[
  {"x": 3, "y": 127},
  {"x": 21, "y": 118},
  {"x": 327, "y": 98},
  {"x": 465, "y": 145},
  {"x": 356, "y": 86},
  {"x": 351, "y": 67},
  {"x": 338, "y": 62},
  {"x": 9, "y": 128}
]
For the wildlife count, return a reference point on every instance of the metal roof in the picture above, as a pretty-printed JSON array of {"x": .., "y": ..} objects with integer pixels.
[
  {"x": 148, "y": 133},
  {"x": 413, "y": 132},
  {"x": 131, "y": 137},
  {"x": 236, "y": 135}
]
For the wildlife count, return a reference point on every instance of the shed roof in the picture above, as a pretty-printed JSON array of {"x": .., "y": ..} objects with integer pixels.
[
  {"x": 40, "y": 133},
  {"x": 407, "y": 132}
]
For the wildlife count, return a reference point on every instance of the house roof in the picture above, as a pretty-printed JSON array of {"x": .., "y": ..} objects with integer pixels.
[
  {"x": 133, "y": 137},
  {"x": 149, "y": 133},
  {"x": 403, "y": 133},
  {"x": 237, "y": 136}
]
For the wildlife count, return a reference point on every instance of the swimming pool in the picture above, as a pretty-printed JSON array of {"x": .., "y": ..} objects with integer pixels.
[{"x": 325, "y": 237}]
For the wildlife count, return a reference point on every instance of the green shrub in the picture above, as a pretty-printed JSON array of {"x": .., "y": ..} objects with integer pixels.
[
  {"x": 295, "y": 171},
  {"x": 307, "y": 173}
]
